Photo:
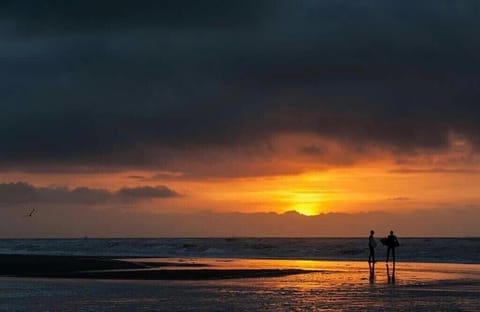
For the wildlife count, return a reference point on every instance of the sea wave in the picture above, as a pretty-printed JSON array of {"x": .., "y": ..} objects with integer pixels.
[{"x": 454, "y": 250}]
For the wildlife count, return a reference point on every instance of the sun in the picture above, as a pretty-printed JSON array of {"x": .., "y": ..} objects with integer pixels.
[
  {"x": 306, "y": 209},
  {"x": 306, "y": 203}
]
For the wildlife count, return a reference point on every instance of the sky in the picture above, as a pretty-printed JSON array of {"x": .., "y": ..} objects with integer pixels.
[{"x": 239, "y": 118}]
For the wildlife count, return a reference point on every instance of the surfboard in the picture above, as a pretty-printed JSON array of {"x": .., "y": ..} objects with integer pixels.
[{"x": 384, "y": 241}]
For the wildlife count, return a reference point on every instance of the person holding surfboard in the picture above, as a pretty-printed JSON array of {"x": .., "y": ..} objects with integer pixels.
[
  {"x": 371, "y": 245},
  {"x": 391, "y": 242}
]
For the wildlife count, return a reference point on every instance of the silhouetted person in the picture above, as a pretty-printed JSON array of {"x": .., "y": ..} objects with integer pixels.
[
  {"x": 372, "y": 244},
  {"x": 371, "y": 256},
  {"x": 391, "y": 243}
]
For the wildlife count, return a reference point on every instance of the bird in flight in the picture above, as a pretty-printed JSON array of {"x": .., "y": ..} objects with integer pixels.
[{"x": 31, "y": 213}]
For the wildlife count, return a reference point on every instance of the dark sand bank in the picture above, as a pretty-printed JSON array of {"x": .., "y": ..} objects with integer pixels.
[
  {"x": 24, "y": 265},
  {"x": 109, "y": 268},
  {"x": 189, "y": 274}
]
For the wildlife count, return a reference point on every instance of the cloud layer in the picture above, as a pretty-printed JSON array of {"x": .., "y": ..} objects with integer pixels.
[
  {"x": 120, "y": 83},
  {"x": 21, "y": 192}
]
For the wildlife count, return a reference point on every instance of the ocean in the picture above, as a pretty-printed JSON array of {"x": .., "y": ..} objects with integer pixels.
[{"x": 443, "y": 250}]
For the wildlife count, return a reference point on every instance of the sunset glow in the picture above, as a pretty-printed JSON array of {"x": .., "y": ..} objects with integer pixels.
[{"x": 240, "y": 119}]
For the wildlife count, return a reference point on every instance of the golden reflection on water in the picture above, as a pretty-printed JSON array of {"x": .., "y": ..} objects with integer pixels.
[{"x": 331, "y": 273}]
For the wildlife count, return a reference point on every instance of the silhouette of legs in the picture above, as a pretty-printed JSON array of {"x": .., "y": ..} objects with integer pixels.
[
  {"x": 388, "y": 254},
  {"x": 371, "y": 255},
  {"x": 371, "y": 263}
]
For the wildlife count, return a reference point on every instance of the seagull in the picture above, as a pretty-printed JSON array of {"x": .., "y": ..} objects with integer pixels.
[{"x": 31, "y": 213}]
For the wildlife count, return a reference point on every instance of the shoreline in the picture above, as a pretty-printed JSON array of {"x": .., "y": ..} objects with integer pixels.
[
  {"x": 227, "y": 257},
  {"x": 174, "y": 268}
]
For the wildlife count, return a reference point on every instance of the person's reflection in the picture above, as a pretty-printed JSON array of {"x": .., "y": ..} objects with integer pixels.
[
  {"x": 371, "y": 268},
  {"x": 391, "y": 278},
  {"x": 372, "y": 275}
]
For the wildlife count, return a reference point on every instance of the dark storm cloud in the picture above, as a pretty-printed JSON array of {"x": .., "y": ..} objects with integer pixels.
[
  {"x": 50, "y": 16},
  {"x": 107, "y": 82},
  {"x": 21, "y": 192},
  {"x": 312, "y": 150}
]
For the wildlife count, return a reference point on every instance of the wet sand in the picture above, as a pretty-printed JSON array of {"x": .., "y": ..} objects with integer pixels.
[{"x": 323, "y": 286}]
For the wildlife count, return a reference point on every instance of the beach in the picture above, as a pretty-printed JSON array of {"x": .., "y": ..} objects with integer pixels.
[
  {"x": 233, "y": 284},
  {"x": 237, "y": 274}
]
